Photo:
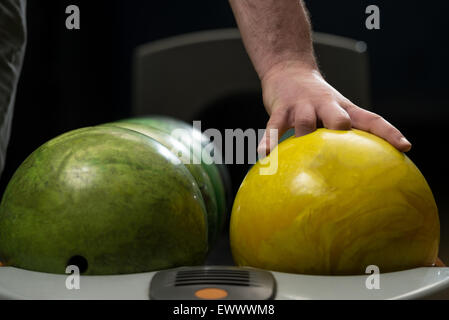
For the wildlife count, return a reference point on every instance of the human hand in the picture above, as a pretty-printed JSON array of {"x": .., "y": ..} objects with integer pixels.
[
  {"x": 296, "y": 96},
  {"x": 439, "y": 263}
]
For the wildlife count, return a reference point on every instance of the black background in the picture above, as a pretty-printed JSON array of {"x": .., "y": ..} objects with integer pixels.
[{"x": 75, "y": 78}]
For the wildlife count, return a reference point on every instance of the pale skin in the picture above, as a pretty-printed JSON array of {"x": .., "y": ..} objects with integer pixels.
[{"x": 277, "y": 37}]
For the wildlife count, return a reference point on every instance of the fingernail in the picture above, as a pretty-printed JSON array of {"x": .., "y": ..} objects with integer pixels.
[{"x": 403, "y": 140}]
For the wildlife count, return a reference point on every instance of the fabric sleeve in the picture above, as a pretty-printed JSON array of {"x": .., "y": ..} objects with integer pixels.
[{"x": 12, "y": 49}]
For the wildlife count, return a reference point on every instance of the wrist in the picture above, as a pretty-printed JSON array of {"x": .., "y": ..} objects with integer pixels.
[{"x": 291, "y": 65}]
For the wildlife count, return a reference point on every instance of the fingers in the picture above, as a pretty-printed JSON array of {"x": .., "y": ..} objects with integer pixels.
[
  {"x": 334, "y": 117},
  {"x": 439, "y": 263},
  {"x": 305, "y": 120},
  {"x": 277, "y": 125},
  {"x": 371, "y": 122}
]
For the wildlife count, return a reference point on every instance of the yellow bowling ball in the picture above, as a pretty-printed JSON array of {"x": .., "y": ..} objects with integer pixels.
[{"x": 338, "y": 202}]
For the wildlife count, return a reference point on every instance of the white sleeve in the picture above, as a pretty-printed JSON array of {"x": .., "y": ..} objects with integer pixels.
[{"x": 12, "y": 49}]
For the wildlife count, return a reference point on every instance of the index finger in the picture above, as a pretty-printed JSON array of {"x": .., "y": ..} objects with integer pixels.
[{"x": 368, "y": 121}]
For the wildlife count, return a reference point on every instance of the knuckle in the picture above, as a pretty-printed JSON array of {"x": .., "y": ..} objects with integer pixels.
[
  {"x": 393, "y": 132},
  {"x": 327, "y": 96},
  {"x": 324, "y": 103},
  {"x": 342, "y": 122},
  {"x": 275, "y": 121},
  {"x": 305, "y": 122},
  {"x": 280, "y": 111},
  {"x": 329, "y": 104},
  {"x": 374, "y": 117},
  {"x": 351, "y": 107},
  {"x": 347, "y": 103},
  {"x": 279, "y": 116}
]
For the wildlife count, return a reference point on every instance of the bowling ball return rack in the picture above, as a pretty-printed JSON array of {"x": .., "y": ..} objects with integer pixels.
[
  {"x": 420, "y": 283},
  {"x": 203, "y": 50},
  {"x": 224, "y": 282}
]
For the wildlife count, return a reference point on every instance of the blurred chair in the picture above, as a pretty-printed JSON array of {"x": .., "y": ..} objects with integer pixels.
[{"x": 181, "y": 75}]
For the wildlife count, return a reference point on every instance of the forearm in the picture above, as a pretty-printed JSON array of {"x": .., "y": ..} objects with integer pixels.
[{"x": 274, "y": 32}]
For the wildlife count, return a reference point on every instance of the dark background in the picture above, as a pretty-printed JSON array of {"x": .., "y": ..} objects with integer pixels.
[{"x": 76, "y": 78}]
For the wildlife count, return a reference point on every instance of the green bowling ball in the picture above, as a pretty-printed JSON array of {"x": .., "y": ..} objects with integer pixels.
[
  {"x": 114, "y": 198},
  {"x": 218, "y": 173},
  {"x": 197, "y": 171}
]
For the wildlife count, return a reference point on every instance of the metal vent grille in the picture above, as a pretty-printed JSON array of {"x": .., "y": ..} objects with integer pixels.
[
  {"x": 214, "y": 277},
  {"x": 238, "y": 283}
]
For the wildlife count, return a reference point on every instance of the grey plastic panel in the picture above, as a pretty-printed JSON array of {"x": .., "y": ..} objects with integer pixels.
[
  {"x": 238, "y": 283},
  {"x": 420, "y": 283}
]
